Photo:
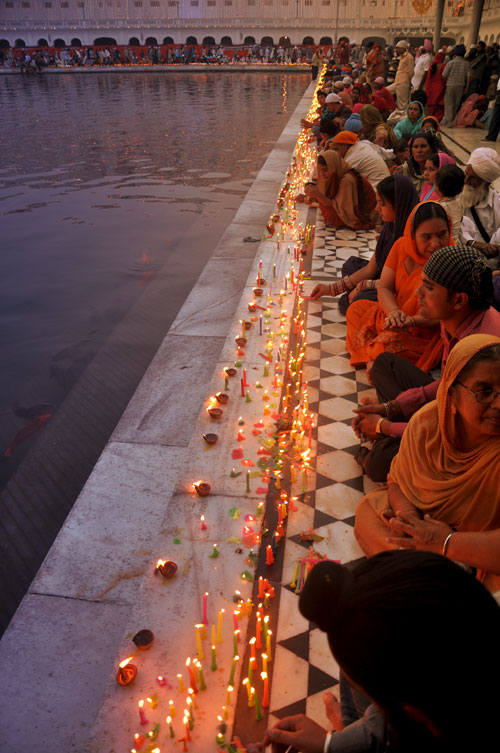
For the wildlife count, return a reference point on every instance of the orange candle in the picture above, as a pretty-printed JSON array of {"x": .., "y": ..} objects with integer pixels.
[
  {"x": 265, "y": 697},
  {"x": 269, "y": 555},
  {"x": 252, "y": 647}
]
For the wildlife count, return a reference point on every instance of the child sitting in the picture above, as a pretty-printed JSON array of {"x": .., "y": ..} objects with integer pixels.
[{"x": 449, "y": 185}]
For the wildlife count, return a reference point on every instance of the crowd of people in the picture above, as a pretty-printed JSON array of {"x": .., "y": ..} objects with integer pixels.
[{"x": 423, "y": 317}]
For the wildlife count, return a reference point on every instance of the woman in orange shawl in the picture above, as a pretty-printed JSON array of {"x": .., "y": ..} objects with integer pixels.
[
  {"x": 443, "y": 492},
  {"x": 345, "y": 197},
  {"x": 392, "y": 324}
]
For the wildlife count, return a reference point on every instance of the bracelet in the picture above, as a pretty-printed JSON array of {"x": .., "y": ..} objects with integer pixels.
[
  {"x": 326, "y": 746},
  {"x": 387, "y": 411},
  {"x": 446, "y": 542},
  {"x": 378, "y": 428}
]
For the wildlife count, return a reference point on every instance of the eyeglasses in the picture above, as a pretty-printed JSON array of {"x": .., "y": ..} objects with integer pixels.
[{"x": 481, "y": 396}]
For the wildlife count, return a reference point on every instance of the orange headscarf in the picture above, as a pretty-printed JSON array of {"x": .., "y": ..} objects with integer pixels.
[
  {"x": 460, "y": 488},
  {"x": 408, "y": 238}
]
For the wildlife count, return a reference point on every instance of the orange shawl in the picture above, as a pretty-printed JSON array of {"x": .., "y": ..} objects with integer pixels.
[
  {"x": 341, "y": 189},
  {"x": 366, "y": 336},
  {"x": 459, "y": 488}
]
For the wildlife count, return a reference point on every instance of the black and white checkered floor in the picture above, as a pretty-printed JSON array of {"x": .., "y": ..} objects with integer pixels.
[{"x": 303, "y": 665}]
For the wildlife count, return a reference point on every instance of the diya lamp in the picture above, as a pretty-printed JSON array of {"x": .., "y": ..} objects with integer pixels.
[
  {"x": 126, "y": 672},
  {"x": 167, "y": 568},
  {"x": 240, "y": 341},
  {"x": 211, "y": 438},
  {"x": 222, "y": 397},
  {"x": 257, "y": 292},
  {"x": 252, "y": 307},
  {"x": 144, "y": 639},
  {"x": 214, "y": 412},
  {"x": 202, "y": 488},
  {"x": 230, "y": 371}
]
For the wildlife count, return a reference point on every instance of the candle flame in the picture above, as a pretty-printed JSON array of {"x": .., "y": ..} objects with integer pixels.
[
  {"x": 169, "y": 720},
  {"x": 188, "y": 661},
  {"x": 263, "y": 675},
  {"x": 141, "y": 703},
  {"x": 125, "y": 662}
]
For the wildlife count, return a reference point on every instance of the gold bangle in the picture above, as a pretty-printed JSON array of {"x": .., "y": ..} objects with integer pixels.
[{"x": 378, "y": 429}]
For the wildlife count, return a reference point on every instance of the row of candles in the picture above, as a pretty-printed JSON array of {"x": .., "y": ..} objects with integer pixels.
[{"x": 298, "y": 440}]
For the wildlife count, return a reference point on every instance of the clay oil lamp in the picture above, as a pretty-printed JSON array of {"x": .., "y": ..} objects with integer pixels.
[
  {"x": 248, "y": 325},
  {"x": 211, "y": 438},
  {"x": 167, "y": 568},
  {"x": 215, "y": 412},
  {"x": 222, "y": 397},
  {"x": 126, "y": 672},
  {"x": 230, "y": 371},
  {"x": 240, "y": 341},
  {"x": 144, "y": 639},
  {"x": 257, "y": 291},
  {"x": 202, "y": 488},
  {"x": 252, "y": 307}
]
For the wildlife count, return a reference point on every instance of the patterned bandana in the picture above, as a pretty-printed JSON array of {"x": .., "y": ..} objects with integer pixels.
[{"x": 457, "y": 268}]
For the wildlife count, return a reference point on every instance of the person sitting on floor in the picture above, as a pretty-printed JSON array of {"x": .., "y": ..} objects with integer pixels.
[
  {"x": 401, "y": 153},
  {"x": 375, "y": 129},
  {"x": 422, "y": 145},
  {"x": 456, "y": 289},
  {"x": 392, "y": 323},
  {"x": 432, "y": 165},
  {"x": 345, "y": 197},
  {"x": 412, "y": 124},
  {"x": 409, "y": 630},
  {"x": 361, "y": 155},
  {"x": 449, "y": 185},
  {"x": 382, "y": 98},
  {"x": 481, "y": 222},
  {"x": 396, "y": 197},
  {"x": 443, "y": 489}
]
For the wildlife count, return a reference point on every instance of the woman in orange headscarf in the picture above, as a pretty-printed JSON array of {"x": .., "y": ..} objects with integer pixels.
[
  {"x": 443, "y": 493},
  {"x": 392, "y": 324},
  {"x": 345, "y": 197}
]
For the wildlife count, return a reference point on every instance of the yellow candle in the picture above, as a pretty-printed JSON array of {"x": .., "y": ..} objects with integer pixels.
[
  {"x": 252, "y": 646},
  {"x": 198, "y": 642},
  {"x": 268, "y": 645},
  {"x": 247, "y": 685},
  {"x": 264, "y": 663},
  {"x": 213, "y": 634},
  {"x": 181, "y": 683},
  {"x": 229, "y": 691},
  {"x": 172, "y": 708},
  {"x": 219, "y": 626}
]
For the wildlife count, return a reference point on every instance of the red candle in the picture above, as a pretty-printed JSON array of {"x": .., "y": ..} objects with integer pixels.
[
  {"x": 258, "y": 643},
  {"x": 242, "y": 388},
  {"x": 269, "y": 555},
  {"x": 205, "y": 608},
  {"x": 265, "y": 698},
  {"x": 142, "y": 715},
  {"x": 192, "y": 681}
]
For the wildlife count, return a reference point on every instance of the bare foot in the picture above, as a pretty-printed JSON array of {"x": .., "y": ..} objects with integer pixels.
[{"x": 333, "y": 712}]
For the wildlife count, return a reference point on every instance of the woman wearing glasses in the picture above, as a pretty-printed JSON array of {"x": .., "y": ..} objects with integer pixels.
[{"x": 443, "y": 492}]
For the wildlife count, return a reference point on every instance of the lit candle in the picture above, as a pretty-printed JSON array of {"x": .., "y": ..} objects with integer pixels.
[
  {"x": 181, "y": 683},
  {"x": 236, "y": 614},
  {"x": 268, "y": 645},
  {"x": 203, "y": 524},
  {"x": 233, "y": 668},
  {"x": 186, "y": 727},
  {"x": 153, "y": 700},
  {"x": 247, "y": 685},
  {"x": 198, "y": 642},
  {"x": 264, "y": 662},
  {"x": 142, "y": 715},
  {"x": 219, "y": 626},
  {"x": 193, "y": 699},
  {"x": 169, "y": 722},
  {"x": 269, "y": 555},
  {"x": 228, "y": 698},
  {"x": 203, "y": 685},
  {"x": 251, "y": 666},
  {"x": 205, "y": 608},
  {"x": 236, "y": 635},
  {"x": 252, "y": 646},
  {"x": 214, "y": 661},
  {"x": 258, "y": 643},
  {"x": 191, "y": 675},
  {"x": 172, "y": 708},
  {"x": 161, "y": 681},
  {"x": 189, "y": 704},
  {"x": 225, "y": 712},
  {"x": 258, "y": 712},
  {"x": 261, "y": 587},
  {"x": 265, "y": 697}
]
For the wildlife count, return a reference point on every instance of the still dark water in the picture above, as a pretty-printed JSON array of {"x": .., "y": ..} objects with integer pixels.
[{"x": 104, "y": 180}]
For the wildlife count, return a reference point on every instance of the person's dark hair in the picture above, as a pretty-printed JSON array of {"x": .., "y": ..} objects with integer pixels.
[
  {"x": 387, "y": 189},
  {"x": 412, "y": 630},
  {"x": 429, "y": 210},
  {"x": 419, "y": 96},
  {"x": 434, "y": 158},
  {"x": 321, "y": 93},
  {"x": 433, "y": 143},
  {"x": 491, "y": 353},
  {"x": 328, "y": 127},
  {"x": 401, "y": 144},
  {"x": 450, "y": 181}
]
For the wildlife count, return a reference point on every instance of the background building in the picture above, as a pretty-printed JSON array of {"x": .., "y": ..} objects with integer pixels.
[{"x": 235, "y": 22}]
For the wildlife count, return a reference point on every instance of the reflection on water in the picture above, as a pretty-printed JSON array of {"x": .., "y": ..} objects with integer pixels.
[{"x": 107, "y": 181}]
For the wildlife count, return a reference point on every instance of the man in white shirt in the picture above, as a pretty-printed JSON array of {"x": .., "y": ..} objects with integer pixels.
[
  {"x": 481, "y": 221},
  {"x": 361, "y": 155}
]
